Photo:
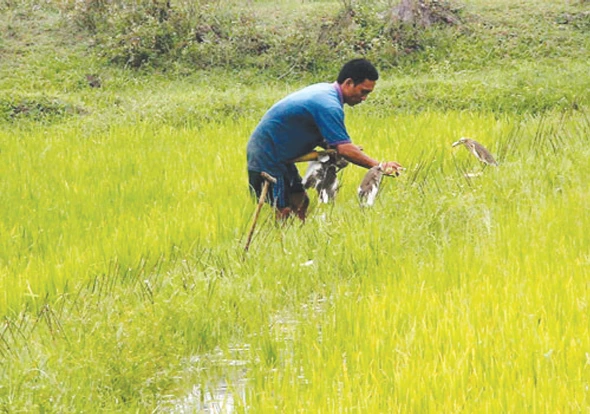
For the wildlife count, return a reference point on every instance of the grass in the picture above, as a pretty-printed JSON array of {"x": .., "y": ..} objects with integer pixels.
[
  {"x": 449, "y": 288},
  {"x": 99, "y": 192},
  {"x": 124, "y": 286}
]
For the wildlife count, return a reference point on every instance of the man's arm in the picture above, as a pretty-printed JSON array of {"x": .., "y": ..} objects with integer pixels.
[{"x": 354, "y": 154}]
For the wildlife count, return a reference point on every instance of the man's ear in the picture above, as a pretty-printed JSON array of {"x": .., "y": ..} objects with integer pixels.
[{"x": 348, "y": 82}]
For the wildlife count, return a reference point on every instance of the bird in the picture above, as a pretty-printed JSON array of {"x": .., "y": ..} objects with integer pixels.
[
  {"x": 328, "y": 187},
  {"x": 313, "y": 175},
  {"x": 322, "y": 175},
  {"x": 369, "y": 186},
  {"x": 478, "y": 150},
  {"x": 93, "y": 81}
]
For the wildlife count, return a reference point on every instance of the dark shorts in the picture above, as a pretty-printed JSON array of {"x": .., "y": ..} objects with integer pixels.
[{"x": 278, "y": 194}]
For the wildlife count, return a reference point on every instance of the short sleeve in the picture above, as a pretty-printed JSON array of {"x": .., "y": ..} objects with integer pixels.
[{"x": 330, "y": 122}]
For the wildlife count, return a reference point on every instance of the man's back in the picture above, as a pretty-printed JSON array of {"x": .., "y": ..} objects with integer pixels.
[{"x": 295, "y": 126}]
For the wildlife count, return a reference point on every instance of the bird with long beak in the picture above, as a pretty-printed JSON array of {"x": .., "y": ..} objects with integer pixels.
[
  {"x": 369, "y": 186},
  {"x": 479, "y": 151}
]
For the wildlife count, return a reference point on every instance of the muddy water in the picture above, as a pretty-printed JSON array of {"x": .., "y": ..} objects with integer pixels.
[{"x": 227, "y": 395}]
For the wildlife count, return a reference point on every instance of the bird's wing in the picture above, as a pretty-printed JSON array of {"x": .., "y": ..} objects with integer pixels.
[
  {"x": 369, "y": 186},
  {"x": 372, "y": 195},
  {"x": 313, "y": 174},
  {"x": 483, "y": 154},
  {"x": 328, "y": 188}
]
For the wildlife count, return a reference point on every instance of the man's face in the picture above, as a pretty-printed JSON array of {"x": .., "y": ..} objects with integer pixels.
[{"x": 355, "y": 94}]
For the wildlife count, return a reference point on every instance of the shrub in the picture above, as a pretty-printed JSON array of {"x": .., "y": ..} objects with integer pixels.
[
  {"x": 203, "y": 35},
  {"x": 133, "y": 33}
]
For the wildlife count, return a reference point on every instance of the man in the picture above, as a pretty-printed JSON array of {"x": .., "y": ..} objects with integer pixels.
[{"x": 296, "y": 125}]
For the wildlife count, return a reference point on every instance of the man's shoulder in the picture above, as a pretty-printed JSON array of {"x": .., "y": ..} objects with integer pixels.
[
  {"x": 319, "y": 97},
  {"x": 319, "y": 94},
  {"x": 318, "y": 88}
]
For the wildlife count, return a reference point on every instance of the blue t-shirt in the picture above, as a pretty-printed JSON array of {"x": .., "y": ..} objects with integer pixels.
[{"x": 295, "y": 126}]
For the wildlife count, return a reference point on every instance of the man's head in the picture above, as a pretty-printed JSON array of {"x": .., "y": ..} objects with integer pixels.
[{"x": 357, "y": 79}]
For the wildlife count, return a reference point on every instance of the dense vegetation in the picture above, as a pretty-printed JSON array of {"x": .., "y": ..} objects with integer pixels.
[
  {"x": 123, "y": 282},
  {"x": 499, "y": 56}
]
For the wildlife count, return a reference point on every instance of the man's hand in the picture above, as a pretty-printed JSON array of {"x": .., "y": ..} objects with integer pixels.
[
  {"x": 391, "y": 168},
  {"x": 353, "y": 153}
]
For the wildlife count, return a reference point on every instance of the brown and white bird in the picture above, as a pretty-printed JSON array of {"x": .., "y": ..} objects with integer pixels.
[
  {"x": 478, "y": 150},
  {"x": 369, "y": 186},
  {"x": 322, "y": 175}
]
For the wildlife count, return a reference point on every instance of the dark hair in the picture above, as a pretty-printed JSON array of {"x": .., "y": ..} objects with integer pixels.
[{"x": 358, "y": 70}]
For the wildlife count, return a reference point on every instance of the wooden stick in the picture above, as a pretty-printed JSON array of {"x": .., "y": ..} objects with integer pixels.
[
  {"x": 267, "y": 180},
  {"x": 313, "y": 156}
]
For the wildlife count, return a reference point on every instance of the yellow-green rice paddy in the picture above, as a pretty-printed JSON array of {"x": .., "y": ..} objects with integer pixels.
[{"x": 123, "y": 271}]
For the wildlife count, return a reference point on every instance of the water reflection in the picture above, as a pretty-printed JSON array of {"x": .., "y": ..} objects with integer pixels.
[
  {"x": 227, "y": 394},
  {"x": 222, "y": 398}
]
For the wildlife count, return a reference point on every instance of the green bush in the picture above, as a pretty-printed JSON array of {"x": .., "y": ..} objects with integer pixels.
[
  {"x": 132, "y": 34},
  {"x": 203, "y": 35}
]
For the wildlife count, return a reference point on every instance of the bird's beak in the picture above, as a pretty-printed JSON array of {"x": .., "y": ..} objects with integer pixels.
[{"x": 456, "y": 143}]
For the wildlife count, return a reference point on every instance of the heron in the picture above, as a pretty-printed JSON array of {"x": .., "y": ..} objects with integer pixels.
[
  {"x": 322, "y": 175},
  {"x": 369, "y": 186},
  {"x": 479, "y": 151}
]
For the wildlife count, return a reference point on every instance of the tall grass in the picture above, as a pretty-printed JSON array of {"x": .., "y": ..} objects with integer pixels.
[
  {"x": 133, "y": 193},
  {"x": 451, "y": 294},
  {"x": 124, "y": 286}
]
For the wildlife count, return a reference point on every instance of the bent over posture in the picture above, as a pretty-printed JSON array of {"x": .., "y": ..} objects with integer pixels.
[{"x": 302, "y": 121}]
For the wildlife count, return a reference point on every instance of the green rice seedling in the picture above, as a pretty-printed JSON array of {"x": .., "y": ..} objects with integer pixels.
[
  {"x": 123, "y": 283},
  {"x": 138, "y": 233},
  {"x": 470, "y": 302}
]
